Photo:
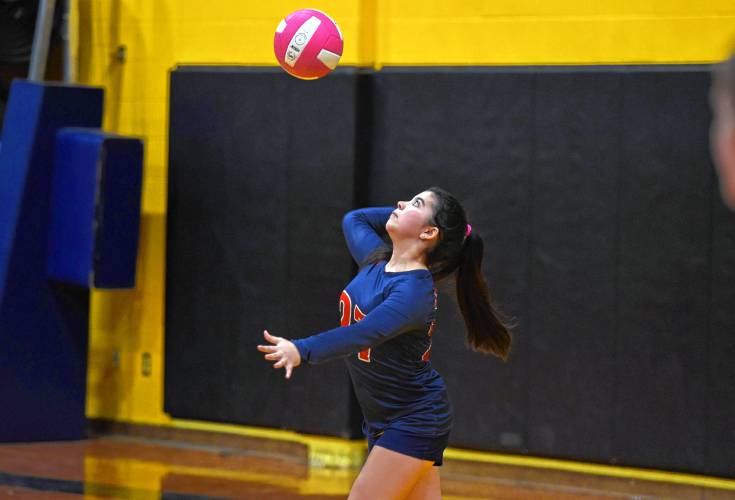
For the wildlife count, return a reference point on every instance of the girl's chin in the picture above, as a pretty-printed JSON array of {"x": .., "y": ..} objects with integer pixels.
[{"x": 393, "y": 230}]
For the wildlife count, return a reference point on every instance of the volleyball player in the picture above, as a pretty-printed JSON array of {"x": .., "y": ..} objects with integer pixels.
[{"x": 388, "y": 316}]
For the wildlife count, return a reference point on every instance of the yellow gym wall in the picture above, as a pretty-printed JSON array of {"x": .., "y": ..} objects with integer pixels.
[{"x": 129, "y": 46}]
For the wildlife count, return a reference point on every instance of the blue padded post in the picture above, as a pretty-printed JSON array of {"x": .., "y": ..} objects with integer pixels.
[
  {"x": 43, "y": 327},
  {"x": 95, "y": 209}
]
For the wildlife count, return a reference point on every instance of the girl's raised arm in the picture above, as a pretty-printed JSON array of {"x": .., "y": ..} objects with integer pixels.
[{"x": 363, "y": 230}]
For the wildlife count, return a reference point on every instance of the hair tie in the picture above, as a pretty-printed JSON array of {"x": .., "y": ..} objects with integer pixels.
[{"x": 468, "y": 232}]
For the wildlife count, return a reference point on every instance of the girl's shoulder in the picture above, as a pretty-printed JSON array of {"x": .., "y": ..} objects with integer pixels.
[
  {"x": 416, "y": 281},
  {"x": 371, "y": 267}
]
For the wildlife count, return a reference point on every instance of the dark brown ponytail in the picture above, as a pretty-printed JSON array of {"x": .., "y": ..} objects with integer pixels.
[
  {"x": 462, "y": 252},
  {"x": 486, "y": 331}
]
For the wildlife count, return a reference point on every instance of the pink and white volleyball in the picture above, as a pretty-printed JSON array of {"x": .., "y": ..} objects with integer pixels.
[{"x": 308, "y": 44}]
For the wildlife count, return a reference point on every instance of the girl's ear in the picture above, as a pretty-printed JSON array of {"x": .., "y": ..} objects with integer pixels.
[{"x": 429, "y": 233}]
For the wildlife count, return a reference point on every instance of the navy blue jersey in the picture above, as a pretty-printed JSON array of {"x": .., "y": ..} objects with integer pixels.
[{"x": 387, "y": 320}]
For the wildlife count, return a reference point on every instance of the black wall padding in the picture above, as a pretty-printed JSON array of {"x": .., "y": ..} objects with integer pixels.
[
  {"x": 261, "y": 173},
  {"x": 606, "y": 243},
  {"x": 605, "y": 238},
  {"x": 719, "y": 411},
  {"x": 664, "y": 272},
  {"x": 573, "y": 188}
]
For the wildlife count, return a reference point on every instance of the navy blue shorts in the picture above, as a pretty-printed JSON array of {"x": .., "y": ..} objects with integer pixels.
[{"x": 422, "y": 447}]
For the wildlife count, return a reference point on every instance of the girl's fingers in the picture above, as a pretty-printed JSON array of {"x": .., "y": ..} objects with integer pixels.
[
  {"x": 270, "y": 338},
  {"x": 274, "y": 355}
]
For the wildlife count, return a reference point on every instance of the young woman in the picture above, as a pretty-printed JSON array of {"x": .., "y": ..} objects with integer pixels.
[
  {"x": 723, "y": 127},
  {"x": 387, "y": 319}
]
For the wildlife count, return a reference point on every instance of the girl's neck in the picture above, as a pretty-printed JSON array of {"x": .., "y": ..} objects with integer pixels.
[{"x": 406, "y": 259}]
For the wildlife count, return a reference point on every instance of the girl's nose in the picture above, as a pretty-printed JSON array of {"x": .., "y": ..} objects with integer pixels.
[{"x": 401, "y": 204}]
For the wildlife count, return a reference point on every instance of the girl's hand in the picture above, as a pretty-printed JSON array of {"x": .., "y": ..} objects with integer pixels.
[{"x": 283, "y": 352}]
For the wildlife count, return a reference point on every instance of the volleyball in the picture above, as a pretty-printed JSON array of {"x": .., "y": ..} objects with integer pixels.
[{"x": 308, "y": 44}]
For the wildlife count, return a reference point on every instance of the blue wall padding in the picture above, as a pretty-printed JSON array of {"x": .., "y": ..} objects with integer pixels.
[
  {"x": 43, "y": 327},
  {"x": 95, "y": 209}
]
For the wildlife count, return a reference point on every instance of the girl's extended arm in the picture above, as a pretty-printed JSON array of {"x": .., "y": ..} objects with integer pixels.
[{"x": 406, "y": 307}]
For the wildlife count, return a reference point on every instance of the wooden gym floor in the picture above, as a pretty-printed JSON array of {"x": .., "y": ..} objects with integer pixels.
[{"x": 143, "y": 467}]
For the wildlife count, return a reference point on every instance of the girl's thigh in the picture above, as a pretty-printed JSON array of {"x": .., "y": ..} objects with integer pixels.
[
  {"x": 388, "y": 475},
  {"x": 428, "y": 487}
]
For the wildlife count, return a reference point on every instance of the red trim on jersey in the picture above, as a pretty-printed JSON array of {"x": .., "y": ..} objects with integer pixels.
[{"x": 427, "y": 355}]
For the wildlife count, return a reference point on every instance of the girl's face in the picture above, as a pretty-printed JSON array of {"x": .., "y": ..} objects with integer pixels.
[
  {"x": 722, "y": 137},
  {"x": 411, "y": 218}
]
